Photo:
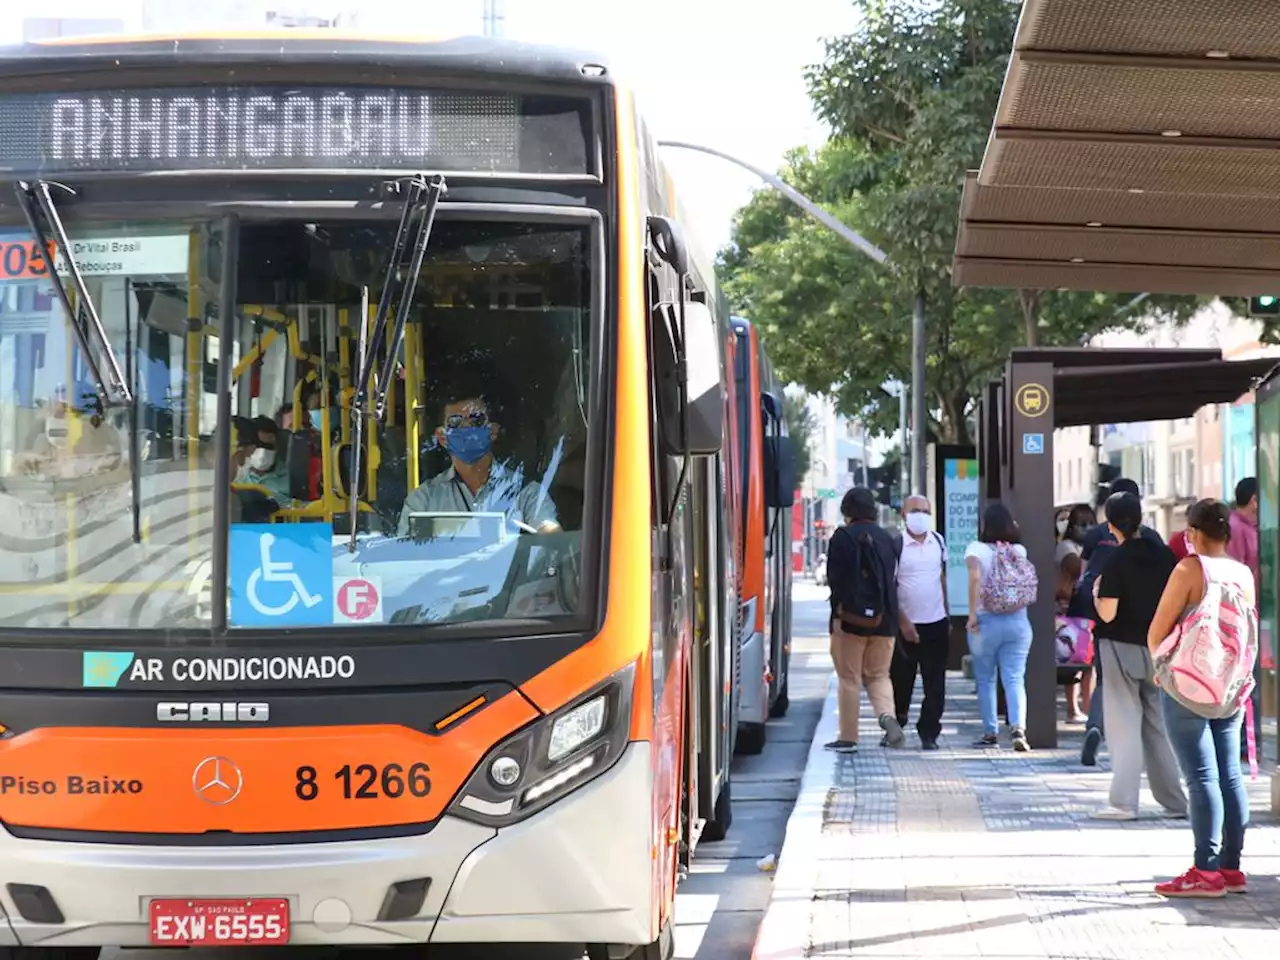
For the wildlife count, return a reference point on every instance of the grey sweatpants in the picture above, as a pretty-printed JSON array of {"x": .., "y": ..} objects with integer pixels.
[{"x": 1135, "y": 729}]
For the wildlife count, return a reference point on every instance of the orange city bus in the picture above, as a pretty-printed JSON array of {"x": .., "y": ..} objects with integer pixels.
[
  {"x": 371, "y": 465},
  {"x": 768, "y": 481}
]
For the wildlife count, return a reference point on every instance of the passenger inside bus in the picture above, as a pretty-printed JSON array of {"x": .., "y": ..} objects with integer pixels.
[
  {"x": 475, "y": 480},
  {"x": 256, "y": 459}
]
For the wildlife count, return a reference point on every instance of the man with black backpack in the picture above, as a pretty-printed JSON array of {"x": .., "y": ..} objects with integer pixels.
[
  {"x": 861, "y": 566},
  {"x": 924, "y": 624}
]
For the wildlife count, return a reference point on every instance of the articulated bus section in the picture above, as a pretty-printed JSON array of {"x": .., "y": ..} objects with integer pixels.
[
  {"x": 768, "y": 480},
  {"x": 381, "y": 536}
]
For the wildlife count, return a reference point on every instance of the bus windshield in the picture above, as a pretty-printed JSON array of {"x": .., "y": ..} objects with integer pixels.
[{"x": 470, "y": 490}]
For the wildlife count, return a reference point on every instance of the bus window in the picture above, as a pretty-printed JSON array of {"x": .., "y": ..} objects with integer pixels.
[
  {"x": 472, "y": 488},
  {"x": 74, "y": 555}
]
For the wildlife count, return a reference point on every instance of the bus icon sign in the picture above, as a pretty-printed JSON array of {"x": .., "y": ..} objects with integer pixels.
[{"x": 357, "y": 600}]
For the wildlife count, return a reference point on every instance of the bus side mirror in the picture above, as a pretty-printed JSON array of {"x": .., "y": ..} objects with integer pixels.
[
  {"x": 667, "y": 242},
  {"x": 702, "y": 379},
  {"x": 705, "y": 382},
  {"x": 779, "y": 456},
  {"x": 779, "y": 472}
]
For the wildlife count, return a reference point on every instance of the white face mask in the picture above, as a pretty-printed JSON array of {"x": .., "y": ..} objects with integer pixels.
[
  {"x": 1062, "y": 527},
  {"x": 918, "y": 524},
  {"x": 262, "y": 460}
]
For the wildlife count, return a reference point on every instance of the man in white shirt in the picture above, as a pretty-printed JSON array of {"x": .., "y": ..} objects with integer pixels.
[{"x": 924, "y": 621}]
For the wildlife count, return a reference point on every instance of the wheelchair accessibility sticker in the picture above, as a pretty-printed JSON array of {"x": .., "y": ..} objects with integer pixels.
[{"x": 281, "y": 574}]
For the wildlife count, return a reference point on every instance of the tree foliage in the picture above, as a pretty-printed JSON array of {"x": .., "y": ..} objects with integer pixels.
[
  {"x": 910, "y": 99},
  {"x": 800, "y": 424}
]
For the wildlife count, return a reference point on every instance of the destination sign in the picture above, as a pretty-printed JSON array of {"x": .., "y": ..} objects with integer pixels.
[{"x": 290, "y": 128}]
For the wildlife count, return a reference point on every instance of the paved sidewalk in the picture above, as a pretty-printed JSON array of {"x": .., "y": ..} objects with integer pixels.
[{"x": 973, "y": 853}]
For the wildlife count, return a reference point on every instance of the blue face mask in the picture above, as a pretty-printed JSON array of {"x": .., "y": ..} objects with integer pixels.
[{"x": 468, "y": 444}]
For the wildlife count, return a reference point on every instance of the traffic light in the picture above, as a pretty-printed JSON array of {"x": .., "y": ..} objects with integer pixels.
[{"x": 1265, "y": 306}]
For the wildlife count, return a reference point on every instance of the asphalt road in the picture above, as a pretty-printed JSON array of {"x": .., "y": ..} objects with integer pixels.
[{"x": 721, "y": 903}]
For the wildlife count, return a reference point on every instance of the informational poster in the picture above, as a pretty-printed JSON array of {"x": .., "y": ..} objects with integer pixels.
[{"x": 961, "y": 491}]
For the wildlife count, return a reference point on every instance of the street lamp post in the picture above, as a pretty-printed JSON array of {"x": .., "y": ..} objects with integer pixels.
[
  {"x": 792, "y": 194},
  {"x": 916, "y": 453}
]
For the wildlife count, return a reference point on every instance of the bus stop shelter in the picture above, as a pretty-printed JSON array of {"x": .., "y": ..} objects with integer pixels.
[
  {"x": 1043, "y": 389},
  {"x": 1134, "y": 149}
]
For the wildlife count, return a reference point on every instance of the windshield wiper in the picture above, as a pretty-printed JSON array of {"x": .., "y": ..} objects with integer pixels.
[
  {"x": 421, "y": 199},
  {"x": 37, "y": 205}
]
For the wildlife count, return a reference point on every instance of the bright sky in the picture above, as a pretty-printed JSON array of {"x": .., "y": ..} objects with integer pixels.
[{"x": 725, "y": 73}]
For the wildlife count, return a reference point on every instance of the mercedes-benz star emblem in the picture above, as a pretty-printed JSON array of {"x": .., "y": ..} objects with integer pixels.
[{"x": 217, "y": 780}]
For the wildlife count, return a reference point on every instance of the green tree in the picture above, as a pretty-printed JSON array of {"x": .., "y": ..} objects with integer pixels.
[
  {"x": 910, "y": 99},
  {"x": 800, "y": 424}
]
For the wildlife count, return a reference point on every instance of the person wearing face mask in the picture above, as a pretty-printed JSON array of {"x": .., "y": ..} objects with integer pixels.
[
  {"x": 1072, "y": 527},
  {"x": 475, "y": 480},
  {"x": 924, "y": 623},
  {"x": 257, "y": 461}
]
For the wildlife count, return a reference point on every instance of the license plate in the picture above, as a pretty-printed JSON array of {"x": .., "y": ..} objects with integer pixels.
[{"x": 219, "y": 923}]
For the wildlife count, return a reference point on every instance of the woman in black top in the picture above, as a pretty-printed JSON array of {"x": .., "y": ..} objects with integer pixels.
[{"x": 1127, "y": 593}]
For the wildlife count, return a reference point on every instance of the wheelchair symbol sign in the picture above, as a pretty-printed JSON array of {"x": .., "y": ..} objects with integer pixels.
[
  {"x": 1033, "y": 443},
  {"x": 281, "y": 574}
]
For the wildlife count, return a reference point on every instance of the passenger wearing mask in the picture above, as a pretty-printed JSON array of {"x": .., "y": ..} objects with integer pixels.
[
  {"x": 1000, "y": 636},
  {"x": 1204, "y": 715},
  {"x": 1126, "y": 595},
  {"x": 924, "y": 623},
  {"x": 475, "y": 481},
  {"x": 1080, "y": 519},
  {"x": 1096, "y": 546},
  {"x": 864, "y": 618},
  {"x": 1243, "y": 548},
  {"x": 256, "y": 461}
]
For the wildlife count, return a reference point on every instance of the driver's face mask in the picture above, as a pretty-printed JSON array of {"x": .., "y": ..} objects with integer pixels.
[{"x": 467, "y": 435}]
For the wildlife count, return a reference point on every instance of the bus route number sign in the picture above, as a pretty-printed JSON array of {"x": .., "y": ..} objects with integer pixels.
[{"x": 22, "y": 260}]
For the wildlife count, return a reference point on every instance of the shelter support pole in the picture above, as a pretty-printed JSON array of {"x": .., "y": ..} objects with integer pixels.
[
  {"x": 904, "y": 456},
  {"x": 919, "y": 414},
  {"x": 1029, "y": 496}
]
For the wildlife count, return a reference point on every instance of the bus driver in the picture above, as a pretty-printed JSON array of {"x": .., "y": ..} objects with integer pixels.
[{"x": 475, "y": 480}]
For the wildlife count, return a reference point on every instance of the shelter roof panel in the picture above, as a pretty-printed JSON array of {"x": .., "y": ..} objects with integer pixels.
[
  {"x": 1112, "y": 277},
  {"x": 1140, "y": 391},
  {"x": 1073, "y": 358},
  {"x": 1169, "y": 166},
  {"x": 1125, "y": 246},
  {"x": 1246, "y": 29},
  {"x": 1158, "y": 115},
  {"x": 1202, "y": 98},
  {"x": 1201, "y": 212}
]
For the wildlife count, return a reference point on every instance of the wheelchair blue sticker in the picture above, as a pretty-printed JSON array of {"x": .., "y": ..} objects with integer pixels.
[
  {"x": 1033, "y": 443},
  {"x": 281, "y": 574}
]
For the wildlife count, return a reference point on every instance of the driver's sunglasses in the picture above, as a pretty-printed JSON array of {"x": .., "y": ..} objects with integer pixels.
[{"x": 477, "y": 418}]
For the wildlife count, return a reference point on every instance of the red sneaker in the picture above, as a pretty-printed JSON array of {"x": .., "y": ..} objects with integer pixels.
[
  {"x": 1194, "y": 883},
  {"x": 1235, "y": 881}
]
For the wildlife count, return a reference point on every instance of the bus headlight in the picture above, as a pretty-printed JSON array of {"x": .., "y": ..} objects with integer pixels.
[{"x": 551, "y": 757}]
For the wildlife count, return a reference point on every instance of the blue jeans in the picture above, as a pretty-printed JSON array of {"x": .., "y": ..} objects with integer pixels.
[
  {"x": 1002, "y": 643},
  {"x": 1208, "y": 752},
  {"x": 1095, "y": 702}
]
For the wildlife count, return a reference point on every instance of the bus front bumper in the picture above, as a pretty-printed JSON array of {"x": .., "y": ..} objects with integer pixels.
[{"x": 579, "y": 871}]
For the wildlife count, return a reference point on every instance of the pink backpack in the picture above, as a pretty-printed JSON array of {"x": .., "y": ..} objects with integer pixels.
[
  {"x": 1206, "y": 663},
  {"x": 1011, "y": 583}
]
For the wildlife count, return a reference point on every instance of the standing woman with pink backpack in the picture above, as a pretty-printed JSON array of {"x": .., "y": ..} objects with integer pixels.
[
  {"x": 1002, "y": 584},
  {"x": 1204, "y": 640}
]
